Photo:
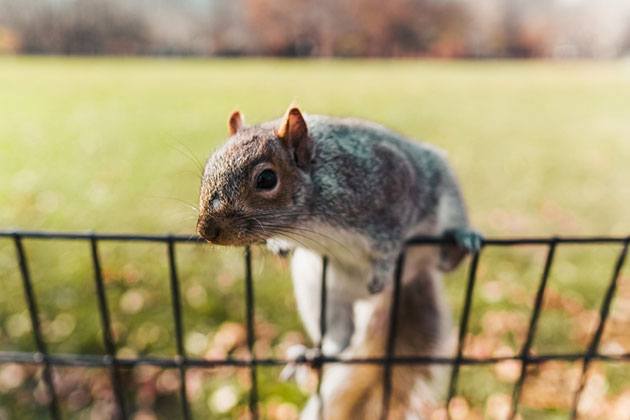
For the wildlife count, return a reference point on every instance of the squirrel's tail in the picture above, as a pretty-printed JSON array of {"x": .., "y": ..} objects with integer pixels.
[{"x": 356, "y": 390}]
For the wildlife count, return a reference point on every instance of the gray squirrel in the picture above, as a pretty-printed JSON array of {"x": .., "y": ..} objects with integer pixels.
[{"x": 354, "y": 191}]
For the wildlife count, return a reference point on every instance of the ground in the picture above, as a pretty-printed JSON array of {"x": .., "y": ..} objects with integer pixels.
[{"x": 117, "y": 144}]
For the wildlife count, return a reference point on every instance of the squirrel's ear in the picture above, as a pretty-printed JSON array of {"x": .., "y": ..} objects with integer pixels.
[
  {"x": 294, "y": 134},
  {"x": 293, "y": 126},
  {"x": 235, "y": 122}
]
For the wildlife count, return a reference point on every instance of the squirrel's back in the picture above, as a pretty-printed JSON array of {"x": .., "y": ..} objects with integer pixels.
[{"x": 358, "y": 164}]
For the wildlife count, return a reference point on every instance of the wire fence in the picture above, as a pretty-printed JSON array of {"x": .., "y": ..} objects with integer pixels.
[{"x": 182, "y": 362}]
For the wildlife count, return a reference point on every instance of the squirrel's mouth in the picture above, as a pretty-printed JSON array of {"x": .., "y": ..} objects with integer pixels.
[
  {"x": 227, "y": 237},
  {"x": 231, "y": 232},
  {"x": 236, "y": 241}
]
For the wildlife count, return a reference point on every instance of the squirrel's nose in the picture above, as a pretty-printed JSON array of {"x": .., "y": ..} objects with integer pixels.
[
  {"x": 208, "y": 230},
  {"x": 212, "y": 232}
]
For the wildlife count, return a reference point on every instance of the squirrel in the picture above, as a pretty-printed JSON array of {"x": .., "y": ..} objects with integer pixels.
[{"x": 354, "y": 191}]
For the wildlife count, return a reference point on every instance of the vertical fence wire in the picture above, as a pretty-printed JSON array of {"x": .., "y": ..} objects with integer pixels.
[
  {"x": 31, "y": 302},
  {"x": 251, "y": 335},
  {"x": 179, "y": 329},
  {"x": 463, "y": 329},
  {"x": 106, "y": 326},
  {"x": 531, "y": 331},
  {"x": 323, "y": 299},
  {"x": 597, "y": 336},
  {"x": 391, "y": 336}
]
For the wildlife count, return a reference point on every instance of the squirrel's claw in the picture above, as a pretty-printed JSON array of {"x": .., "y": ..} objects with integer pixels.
[
  {"x": 376, "y": 285},
  {"x": 467, "y": 239},
  {"x": 382, "y": 275},
  {"x": 296, "y": 369},
  {"x": 459, "y": 242}
]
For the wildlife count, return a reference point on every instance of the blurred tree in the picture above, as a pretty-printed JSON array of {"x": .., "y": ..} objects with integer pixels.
[
  {"x": 524, "y": 30},
  {"x": 286, "y": 27},
  {"x": 447, "y": 28},
  {"x": 96, "y": 27},
  {"x": 357, "y": 27},
  {"x": 229, "y": 30},
  {"x": 78, "y": 27},
  {"x": 625, "y": 47}
]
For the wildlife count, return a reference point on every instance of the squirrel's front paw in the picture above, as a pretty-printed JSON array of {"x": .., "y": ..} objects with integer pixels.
[
  {"x": 382, "y": 275},
  {"x": 467, "y": 239},
  {"x": 296, "y": 368}
]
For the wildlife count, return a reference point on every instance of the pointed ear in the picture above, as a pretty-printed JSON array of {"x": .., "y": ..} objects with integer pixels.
[
  {"x": 294, "y": 135},
  {"x": 235, "y": 122},
  {"x": 293, "y": 126}
]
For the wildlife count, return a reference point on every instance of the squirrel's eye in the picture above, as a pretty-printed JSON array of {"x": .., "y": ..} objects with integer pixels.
[{"x": 266, "y": 180}]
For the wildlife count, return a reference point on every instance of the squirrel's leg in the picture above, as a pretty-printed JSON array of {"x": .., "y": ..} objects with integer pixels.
[
  {"x": 339, "y": 323},
  {"x": 306, "y": 273},
  {"x": 306, "y": 270}
]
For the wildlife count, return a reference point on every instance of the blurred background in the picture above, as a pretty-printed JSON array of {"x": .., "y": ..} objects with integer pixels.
[
  {"x": 109, "y": 108},
  {"x": 347, "y": 28}
]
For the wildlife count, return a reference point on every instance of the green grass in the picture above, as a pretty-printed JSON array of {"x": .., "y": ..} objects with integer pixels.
[{"x": 114, "y": 145}]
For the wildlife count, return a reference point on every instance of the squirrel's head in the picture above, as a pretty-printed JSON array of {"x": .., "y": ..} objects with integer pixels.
[{"x": 256, "y": 186}]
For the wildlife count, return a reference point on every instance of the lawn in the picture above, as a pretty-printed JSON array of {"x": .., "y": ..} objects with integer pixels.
[{"x": 116, "y": 145}]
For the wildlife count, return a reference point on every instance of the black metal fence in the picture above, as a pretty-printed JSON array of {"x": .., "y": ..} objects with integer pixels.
[{"x": 181, "y": 362}]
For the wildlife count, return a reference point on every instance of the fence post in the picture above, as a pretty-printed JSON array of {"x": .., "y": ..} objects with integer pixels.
[
  {"x": 597, "y": 336},
  {"x": 531, "y": 332},
  {"x": 391, "y": 337},
  {"x": 42, "y": 353},
  {"x": 463, "y": 329},
  {"x": 179, "y": 329},
  {"x": 251, "y": 335},
  {"x": 108, "y": 341},
  {"x": 323, "y": 299}
]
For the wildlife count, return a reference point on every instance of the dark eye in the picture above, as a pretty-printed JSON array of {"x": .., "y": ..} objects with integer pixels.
[{"x": 266, "y": 180}]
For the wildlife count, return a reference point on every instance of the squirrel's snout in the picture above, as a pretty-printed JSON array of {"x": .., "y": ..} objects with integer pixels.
[{"x": 208, "y": 230}]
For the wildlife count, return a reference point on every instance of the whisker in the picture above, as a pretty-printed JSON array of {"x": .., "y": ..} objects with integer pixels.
[
  {"x": 294, "y": 235},
  {"x": 260, "y": 224},
  {"x": 275, "y": 216},
  {"x": 186, "y": 203},
  {"x": 293, "y": 238},
  {"x": 322, "y": 235},
  {"x": 189, "y": 154},
  {"x": 273, "y": 221}
]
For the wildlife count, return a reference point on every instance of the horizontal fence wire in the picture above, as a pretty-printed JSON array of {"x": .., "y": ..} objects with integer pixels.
[
  {"x": 416, "y": 240},
  {"x": 181, "y": 362},
  {"x": 90, "y": 360}
]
